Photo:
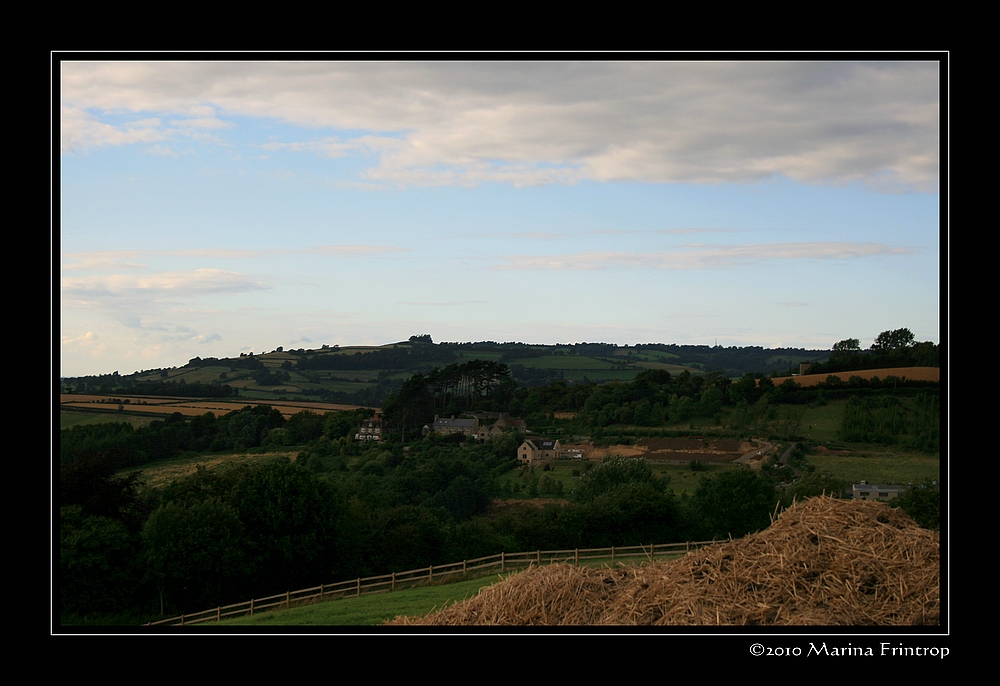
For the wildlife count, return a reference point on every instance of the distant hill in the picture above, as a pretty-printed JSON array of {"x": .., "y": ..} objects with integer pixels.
[{"x": 366, "y": 375}]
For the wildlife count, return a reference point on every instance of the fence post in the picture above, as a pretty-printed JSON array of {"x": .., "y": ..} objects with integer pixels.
[
  {"x": 218, "y": 614},
  {"x": 539, "y": 558},
  {"x": 251, "y": 607},
  {"x": 430, "y": 573},
  {"x": 393, "y": 587},
  {"x": 576, "y": 557},
  {"x": 612, "y": 557},
  {"x": 502, "y": 568},
  {"x": 288, "y": 599},
  {"x": 359, "y": 586},
  {"x": 464, "y": 568}
]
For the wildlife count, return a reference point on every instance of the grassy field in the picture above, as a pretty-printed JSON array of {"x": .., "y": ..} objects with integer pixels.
[
  {"x": 822, "y": 423},
  {"x": 674, "y": 369},
  {"x": 877, "y": 464},
  {"x": 369, "y": 610},
  {"x": 71, "y": 418},
  {"x": 163, "y": 472}
]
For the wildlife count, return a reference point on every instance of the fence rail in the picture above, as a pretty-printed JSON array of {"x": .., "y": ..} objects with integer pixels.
[{"x": 480, "y": 566}]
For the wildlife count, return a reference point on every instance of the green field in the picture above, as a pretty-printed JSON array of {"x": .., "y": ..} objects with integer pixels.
[
  {"x": 164, "y": 472},
  {"x": 822, "y": 424},
  {"x": 876, "y": 464},
  {"x": 369, "y": 610},
  {"x": 70, "y": 418}
]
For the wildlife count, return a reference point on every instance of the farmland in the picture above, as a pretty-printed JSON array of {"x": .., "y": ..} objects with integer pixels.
[
  {"x": 876, "y": 464},
  {"x": 210, "y": 501}
]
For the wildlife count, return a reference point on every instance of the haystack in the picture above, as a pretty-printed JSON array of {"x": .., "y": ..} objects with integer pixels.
[{"x": 823, "y": 562}]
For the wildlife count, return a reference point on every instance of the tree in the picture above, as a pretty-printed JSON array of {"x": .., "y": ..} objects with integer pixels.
[
  {"x": 922, "y": 503},
  {"x": 848, "y": 345},
  {"x": 893, "y": 340},
  {"x": 735, "y": 502},
  {"x": 613, "y": 472},
  {"x": 97, "y": 572},
  {"x": 193, "y": 553}
]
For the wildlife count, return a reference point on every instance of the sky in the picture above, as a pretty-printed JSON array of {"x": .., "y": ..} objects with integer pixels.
[{"x": 213, "y": 208}]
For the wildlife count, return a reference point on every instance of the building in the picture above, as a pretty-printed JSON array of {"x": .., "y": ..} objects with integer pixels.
[
  {"x": 504, "y": 424},
  {"x": 536, "y": 449},
  {"x": 867, "y": 491},
  {"x": 371, "y": 429},
  {"x": 469, "y": 427}
]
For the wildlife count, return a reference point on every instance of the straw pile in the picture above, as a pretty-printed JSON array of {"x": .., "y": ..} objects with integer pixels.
[{"x": 823, "y": 562}]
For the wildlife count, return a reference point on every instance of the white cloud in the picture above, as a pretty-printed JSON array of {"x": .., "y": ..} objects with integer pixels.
[
  {"x": 162, "y": 150},
  {"x": 530, "y": 123},
  {"x": 202, "y": 123},
  {"x": 127, "y": 259},
  {"x": 156, "y": 287},
  {"x": 81, "y": 131},
  {"x": 701, "y": 257}
]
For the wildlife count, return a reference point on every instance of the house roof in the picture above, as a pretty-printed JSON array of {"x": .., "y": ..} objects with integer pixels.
[
  {"x": 541, "y": 443},
  {"x": 460, "y": 423}
]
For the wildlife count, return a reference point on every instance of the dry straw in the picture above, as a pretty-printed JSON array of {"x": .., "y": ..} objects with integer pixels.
[{"x": 823, "y": 562}]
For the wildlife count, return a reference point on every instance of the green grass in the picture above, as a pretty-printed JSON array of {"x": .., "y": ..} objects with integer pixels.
[
  {"x": 368, "y": 610},
  {"x": 164, "y": 472},
  {"x": 822, "y": 424},
  {"x": 71, "y": 418},
  {"x": 878, "y": 464},
  {"x": 674, "y": 369}
]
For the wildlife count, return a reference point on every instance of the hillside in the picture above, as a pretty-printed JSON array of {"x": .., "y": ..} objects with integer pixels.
[{"x": 366, "y": 375}]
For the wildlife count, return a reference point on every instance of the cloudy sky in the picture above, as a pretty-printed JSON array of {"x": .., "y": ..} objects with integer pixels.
[{"x": 213, "y": 208}]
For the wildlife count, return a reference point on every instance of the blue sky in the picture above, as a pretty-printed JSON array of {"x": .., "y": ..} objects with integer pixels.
[{"x": 213, "y": 208}]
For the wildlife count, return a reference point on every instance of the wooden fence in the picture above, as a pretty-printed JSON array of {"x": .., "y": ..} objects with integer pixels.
[{"x": 501, "y": 563}]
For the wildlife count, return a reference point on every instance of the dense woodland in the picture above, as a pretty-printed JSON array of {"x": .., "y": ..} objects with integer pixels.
[{"x": 342, "y": 509}]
